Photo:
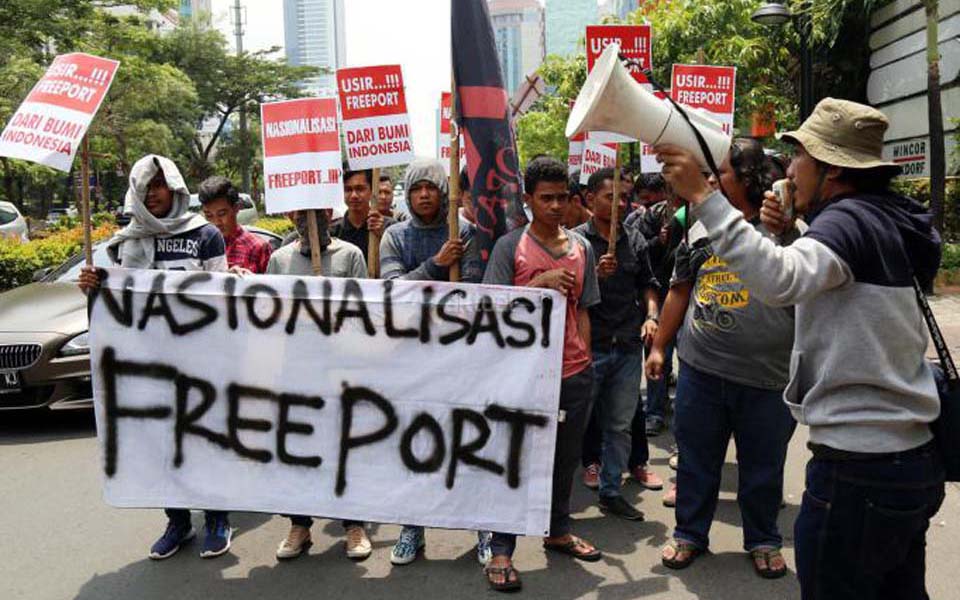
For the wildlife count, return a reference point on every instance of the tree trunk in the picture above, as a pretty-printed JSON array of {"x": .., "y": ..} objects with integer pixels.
[
  {"x": 8, "y": 180},
  {"x": 938, "y": 166}
]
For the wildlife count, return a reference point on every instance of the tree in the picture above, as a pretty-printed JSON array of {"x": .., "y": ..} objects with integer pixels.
[
  {"x": 227, "y": 82},
  {"x": 938, "y": 167}
]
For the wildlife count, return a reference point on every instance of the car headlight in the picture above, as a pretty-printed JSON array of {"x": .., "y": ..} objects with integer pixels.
[{"x": 78, "y": 344}]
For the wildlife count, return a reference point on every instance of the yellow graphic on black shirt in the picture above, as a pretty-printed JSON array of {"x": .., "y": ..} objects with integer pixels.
[{"x": 718, "y": 291}]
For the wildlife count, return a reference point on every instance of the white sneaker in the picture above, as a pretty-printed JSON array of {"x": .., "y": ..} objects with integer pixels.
[
  {"x": 358, "y": 544},
  {"x": 297, "y": 541}
]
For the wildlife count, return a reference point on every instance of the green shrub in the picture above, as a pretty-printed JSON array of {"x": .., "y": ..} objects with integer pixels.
[
  {"x": 277, "y": 225},
  {"x": 19, "y": 261}
]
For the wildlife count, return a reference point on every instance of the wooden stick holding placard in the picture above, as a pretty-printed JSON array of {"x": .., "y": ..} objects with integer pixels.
[
  {"x": 615, "y": 208},
  {"x": 373, "y": 240},
  {"x": 85, "y": 200},
  {"x": 453, "y": 212},
  {"x": 314, "y": 232}
]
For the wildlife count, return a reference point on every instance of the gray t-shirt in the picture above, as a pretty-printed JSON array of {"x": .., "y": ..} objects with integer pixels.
[
  {"x": 726, "y": 332},
  {"x": 339, "y": 259}
]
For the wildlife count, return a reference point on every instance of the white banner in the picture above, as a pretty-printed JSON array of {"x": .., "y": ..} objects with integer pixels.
[
  {"x": 393, "y": 402},
  {"x": 596, "y": 155}
]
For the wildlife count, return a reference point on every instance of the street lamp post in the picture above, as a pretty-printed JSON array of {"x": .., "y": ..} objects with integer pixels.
[{"x": 774, "y": 14}]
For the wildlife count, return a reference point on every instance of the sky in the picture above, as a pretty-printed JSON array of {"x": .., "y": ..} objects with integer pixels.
[{"x": 413, "y": 33}]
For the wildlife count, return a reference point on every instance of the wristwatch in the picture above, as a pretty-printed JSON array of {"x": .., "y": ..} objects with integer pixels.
[{"x": 654, "y": 318}]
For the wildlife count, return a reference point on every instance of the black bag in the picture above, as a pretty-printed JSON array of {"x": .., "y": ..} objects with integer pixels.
[{"x": 946, "y": 429}]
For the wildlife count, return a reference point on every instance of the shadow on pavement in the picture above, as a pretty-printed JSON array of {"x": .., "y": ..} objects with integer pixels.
[{"x": 45, "y": 425}]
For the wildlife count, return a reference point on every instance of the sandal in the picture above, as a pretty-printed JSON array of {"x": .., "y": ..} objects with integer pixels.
[
  {"x": 507, "y": 585},
  {"x": 767, "y": 555},
  {"x": 575, "y": 547},
  {"x": 680, "y": 547}
]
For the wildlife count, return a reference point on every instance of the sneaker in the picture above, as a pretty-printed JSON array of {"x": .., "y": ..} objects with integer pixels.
[
  {"x": 617, "y": 506},
  {"x": 171, "y": 540},
  {"x": 674, "y": 460},
  {"x": 646, "y": 478},
  {"x": 410, "y": 544},
  {"x": 358, "y": 544},
  {"x": 484, "y": 551},
  {"x": 297, "y": 541},
  {"x": 216, "y": 536},
  {"x": 654, "y": 427},
  {"x": 670, "y": 498},
  {"x": 591, "y": 476}
]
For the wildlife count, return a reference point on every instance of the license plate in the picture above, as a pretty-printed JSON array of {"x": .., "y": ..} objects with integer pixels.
[{"x": 9, "y": 381}]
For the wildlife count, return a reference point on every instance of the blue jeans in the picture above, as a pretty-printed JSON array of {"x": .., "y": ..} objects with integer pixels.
[
  {"x": 861, "y": 532},
  {"x": 575, "y": 395},
  {"x": 708, "y": 410},
  {"x": 616, "y": 381},
  {"x": 657, "y": 391}
]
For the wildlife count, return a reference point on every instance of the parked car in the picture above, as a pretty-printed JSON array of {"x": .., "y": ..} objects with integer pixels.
[
  {"x": 44, "y": 352},
  {"x": 12, "y": 224},
  {"x": 57, "y": 213},
  {"x": 248, "y": 214}
]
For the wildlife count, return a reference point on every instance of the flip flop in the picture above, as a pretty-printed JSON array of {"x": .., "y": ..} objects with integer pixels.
[
  {"x": 680, "y": 547},
  {"x": 507, "y": 585},
  {"x": 767, "y": 554},
  {"x": 570, "y": 549}
]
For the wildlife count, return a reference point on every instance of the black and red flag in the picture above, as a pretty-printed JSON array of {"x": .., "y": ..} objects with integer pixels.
[{"x": 483, "y": 114}]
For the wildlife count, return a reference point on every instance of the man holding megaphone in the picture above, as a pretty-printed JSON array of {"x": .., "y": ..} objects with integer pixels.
[{"x": 858, "y": 377}]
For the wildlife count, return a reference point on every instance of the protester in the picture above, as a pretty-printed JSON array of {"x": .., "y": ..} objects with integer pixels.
[
  {"x": 545, "y": 255},
  {"x": 620, "y": 325},
  {"x": 734, "y": 362},
  {"x": 577, "y": 211},
  {"x": 467, "y": 210},
  {"x": 663, "y": 231},
  {"x": 163, "y": 234},
  {"x": 858, "y": 377},
  {"x": 419, "y": 249},
  {"x": 220, "y": 199},
  {"x": 359, "y": 221},
  {"x": 385, "y": 197},
  {"x": 337, "y": 259},
  {"x": 649, "y": 190}
]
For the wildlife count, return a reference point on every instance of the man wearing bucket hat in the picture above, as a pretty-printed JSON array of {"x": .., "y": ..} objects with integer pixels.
[{"x": 858, "y": 377}]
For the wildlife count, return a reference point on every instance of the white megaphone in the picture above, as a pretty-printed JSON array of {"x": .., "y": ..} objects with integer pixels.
[{"x": 611, "y": 100}]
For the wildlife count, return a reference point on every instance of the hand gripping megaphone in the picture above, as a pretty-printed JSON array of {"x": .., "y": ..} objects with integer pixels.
[{"x": 611, "y": 100}]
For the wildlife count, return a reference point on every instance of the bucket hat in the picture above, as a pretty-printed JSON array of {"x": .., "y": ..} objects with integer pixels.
[{"x": 843, "y": 134}]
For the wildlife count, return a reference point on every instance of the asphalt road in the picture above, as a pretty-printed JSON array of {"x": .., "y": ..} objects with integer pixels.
[{"x": 60, "y": 541}]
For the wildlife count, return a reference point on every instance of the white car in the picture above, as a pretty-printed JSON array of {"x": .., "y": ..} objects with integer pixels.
[
  {"x": 248, "y": 214},
  {"x": 12, "y": 223}
]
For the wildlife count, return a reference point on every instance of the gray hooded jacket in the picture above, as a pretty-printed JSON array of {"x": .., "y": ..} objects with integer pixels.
[{"x": 408, "y": 247}]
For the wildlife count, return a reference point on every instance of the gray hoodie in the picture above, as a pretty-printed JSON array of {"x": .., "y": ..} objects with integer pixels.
[
  {"x": 858, "y": 376},
  {"x": 407, "y": 248}
]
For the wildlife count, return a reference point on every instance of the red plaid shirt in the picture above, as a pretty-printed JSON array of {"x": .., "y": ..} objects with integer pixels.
[{"x": 246, "y": 250}]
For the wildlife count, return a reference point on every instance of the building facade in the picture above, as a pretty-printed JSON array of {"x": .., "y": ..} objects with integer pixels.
[
  {"x": 191, "y": 8},
  {"x": 518, "y": 30},
  {"x": 314, "y": 35},
  {"x": 565, "y": 23}
]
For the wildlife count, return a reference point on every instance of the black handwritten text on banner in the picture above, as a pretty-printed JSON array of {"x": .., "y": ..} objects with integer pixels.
[{"x": 340, "y": 398}]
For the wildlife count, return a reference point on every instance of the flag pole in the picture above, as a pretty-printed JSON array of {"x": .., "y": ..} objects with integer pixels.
[
  {"x": 313, "y": 231},
  {"x": 615, "y": 207},
  {"x": 453, "y": 214},
  {"x": 373, "y": 240},
  {"x": 85, "y": 200}
]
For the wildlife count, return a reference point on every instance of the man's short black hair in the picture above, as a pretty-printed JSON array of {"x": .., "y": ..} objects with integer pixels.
[
  {"x": 367, "y": 174},
  {"x": 464, "y": 180},
  {"x": 216, "y": 187},
  {"x": 868, "y": 181},
  {"x": 651, "y": 182},
  {"x": 597, "y": 178},
  {"x": 386, "y": 178},
  {"x": 543, "y": 168}
]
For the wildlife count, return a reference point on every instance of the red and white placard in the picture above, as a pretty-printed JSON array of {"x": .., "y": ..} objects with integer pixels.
[
  {"x": 635, "y": 44},
  {"x": 710, "y": 88},
  {"x": 301, "y": 155},
  {"x": 575, "y": 154},
  {"x": 597, "y": 154},
  {"x": 376, "y": 125},
  {"x": 443, "y": 137},
  {"x": 51, "y": 121}
]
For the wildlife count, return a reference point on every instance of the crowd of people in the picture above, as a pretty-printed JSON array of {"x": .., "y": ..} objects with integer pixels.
[{"x": 776, "y": 317}]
